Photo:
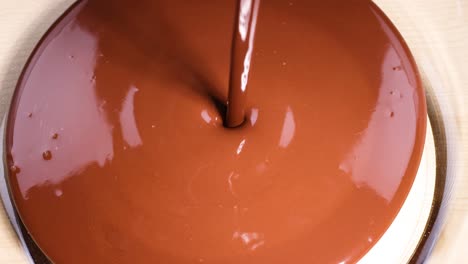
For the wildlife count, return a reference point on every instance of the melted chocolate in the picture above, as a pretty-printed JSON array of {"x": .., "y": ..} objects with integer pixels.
[
  {"x": 241, "y": 55},
  {"x": 142, "y": 170}
]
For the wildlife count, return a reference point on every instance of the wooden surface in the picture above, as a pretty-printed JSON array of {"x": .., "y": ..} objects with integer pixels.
[{"x": 436, "y": 31}]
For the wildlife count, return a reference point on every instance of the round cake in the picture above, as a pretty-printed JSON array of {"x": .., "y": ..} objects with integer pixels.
[{"x": 117, "y": 151}]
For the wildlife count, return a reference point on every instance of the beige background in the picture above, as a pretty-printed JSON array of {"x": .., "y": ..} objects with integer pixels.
[{"x": 436, "y": 31}]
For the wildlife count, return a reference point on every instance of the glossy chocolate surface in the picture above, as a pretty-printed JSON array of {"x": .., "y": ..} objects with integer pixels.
[{"x": 118, "y": 152}]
